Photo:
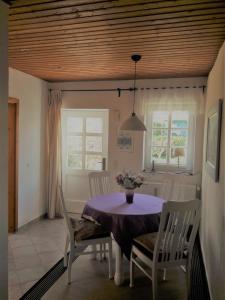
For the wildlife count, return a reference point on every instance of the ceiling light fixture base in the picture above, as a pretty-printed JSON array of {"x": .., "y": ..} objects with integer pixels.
[{"x": 136, "y": 57}]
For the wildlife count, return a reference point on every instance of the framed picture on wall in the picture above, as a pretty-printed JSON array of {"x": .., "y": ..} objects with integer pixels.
[
  {"x": 214, "y": 123},
  {"x": 125, "y": 141}
]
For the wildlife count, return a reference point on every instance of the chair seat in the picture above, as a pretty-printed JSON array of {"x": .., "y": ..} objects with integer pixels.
[
  {"x": 146, "y": 244},
  {"x": 86, "y": 230}
]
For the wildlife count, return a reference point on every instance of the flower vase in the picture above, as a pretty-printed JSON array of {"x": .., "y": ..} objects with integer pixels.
[{"x": 129, "y": 195}]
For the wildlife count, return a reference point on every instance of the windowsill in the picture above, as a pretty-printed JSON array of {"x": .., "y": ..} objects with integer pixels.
[{"x": 172, "y": 172}]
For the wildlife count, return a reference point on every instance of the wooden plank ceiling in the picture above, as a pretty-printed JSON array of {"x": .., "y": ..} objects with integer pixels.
[{"x": 94, "y": 39}]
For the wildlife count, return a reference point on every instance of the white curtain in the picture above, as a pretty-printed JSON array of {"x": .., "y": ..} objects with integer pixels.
[
  {"x": 54, "y": 164},
  {"x": 170, "y": 99}
]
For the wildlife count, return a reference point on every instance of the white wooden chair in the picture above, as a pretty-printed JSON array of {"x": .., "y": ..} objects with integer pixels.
[
  {"x": 160, "y": 189},
  {"x": 81, "y": 234},
  {"x": 99, "y": 183},
  {"x": 165, "y": 190},
  {"x": 170, "y": 247},
  {"x": 184, "y": 192}
]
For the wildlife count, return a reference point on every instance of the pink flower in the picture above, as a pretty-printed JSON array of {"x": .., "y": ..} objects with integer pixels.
[{"x": 129, "y": 181}]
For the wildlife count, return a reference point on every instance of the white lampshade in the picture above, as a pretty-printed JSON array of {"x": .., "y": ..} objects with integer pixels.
[
  {"x": 133, "y": 124},
  {"x": 179, "y": 152}
]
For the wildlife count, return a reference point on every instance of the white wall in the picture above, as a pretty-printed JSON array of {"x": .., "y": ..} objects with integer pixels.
[
  {"x": 120, "y": 109},
  {"x": 3, "y": 156},
  {"x": 213, "y": 198},
  {"x": 32, "y": 95}
]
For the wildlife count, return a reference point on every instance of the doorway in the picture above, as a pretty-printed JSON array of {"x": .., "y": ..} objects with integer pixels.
[
  {"x": 13, "y": 110},
  {"x": 84, "y": 149}
]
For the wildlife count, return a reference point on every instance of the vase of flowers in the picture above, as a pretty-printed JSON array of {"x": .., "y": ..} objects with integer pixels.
[
  {"x": 129, "y": 182},
  {"x": 129, "y": 195}
]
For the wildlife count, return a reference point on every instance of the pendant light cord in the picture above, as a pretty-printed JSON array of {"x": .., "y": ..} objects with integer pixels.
[{"x": 134, "y": 86}]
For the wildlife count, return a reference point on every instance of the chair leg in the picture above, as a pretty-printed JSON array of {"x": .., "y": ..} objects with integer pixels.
[
  {"x": 110, "y": 260},
  {"x": 94, "y": 249},
  {"x": 65, "y": 260},
  {"x": 71, "y": 257},
  {"x": 101, "y": 251},
  {"x": 104, "y": 250},
  {"x": 154, "y": 283},
  {"x": 131, "y": 270},
  {"x": 164, "y": 274}
]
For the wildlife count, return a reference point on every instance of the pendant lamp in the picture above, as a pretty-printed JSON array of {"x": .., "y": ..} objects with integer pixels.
[{"x": 133, "y": 123}]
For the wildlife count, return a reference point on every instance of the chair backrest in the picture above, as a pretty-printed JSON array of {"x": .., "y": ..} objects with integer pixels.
[
  {"x": 150, "y": 188},
  {"x": 165, "y": 190},
  {"x": 179, "y": 223},
  {"x": 69, "y": 226},
  {"x": 183, "y": 192},
  {"x": 161, "y": 189},
  {"x": 99, "y": 183}
]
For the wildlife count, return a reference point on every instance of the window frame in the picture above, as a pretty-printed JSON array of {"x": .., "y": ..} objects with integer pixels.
[
  {"x": 167, "y": 167},
  {"x": 65, "y": 113}
]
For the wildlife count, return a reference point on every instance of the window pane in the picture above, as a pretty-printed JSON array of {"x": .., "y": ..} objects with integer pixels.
[
  {"x": 179, "y": 137},
  {"x": 94, "y": 125},
  {"x": 74, "y": 144},
  {"x": 180, "y": 119},
  {"x": 181, "y": 152},
  {"x": 94, "y": 143},
  {"x": 74, "y": 124},
  {"x": 75, "y": 161},
  {"x": 159, "y": 154},
  {"x": 93, "y": 162},
  {"x": 159, "y": 137},
  {"x": 160, "y": 119}
]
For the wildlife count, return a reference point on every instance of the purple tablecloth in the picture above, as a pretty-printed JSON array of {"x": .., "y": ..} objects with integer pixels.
[{"x": 125, "y": 221}]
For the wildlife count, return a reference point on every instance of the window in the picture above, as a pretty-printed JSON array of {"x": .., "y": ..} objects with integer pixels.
[
  {"x": 174, "y": 118},
  {"x": 84, "y": 139},
  {"x": 168, "y": 138}
]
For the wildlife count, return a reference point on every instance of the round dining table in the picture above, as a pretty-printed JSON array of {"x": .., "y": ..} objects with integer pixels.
[{"x": 125, "y": 221}]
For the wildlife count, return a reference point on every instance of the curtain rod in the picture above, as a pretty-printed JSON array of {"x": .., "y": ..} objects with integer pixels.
[{"x": 119, "y": 90}]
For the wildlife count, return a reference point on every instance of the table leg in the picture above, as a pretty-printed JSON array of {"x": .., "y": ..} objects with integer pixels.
[{"x": 119, "y": 276}]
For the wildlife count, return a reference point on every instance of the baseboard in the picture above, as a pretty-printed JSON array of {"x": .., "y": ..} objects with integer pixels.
[{"x": 41, "y": 217}]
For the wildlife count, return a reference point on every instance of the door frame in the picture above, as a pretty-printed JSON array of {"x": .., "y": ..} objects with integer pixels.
[{"x": 16, "y": 102}]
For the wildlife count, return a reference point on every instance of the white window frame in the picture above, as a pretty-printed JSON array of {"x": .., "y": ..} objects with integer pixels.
[
  {"x": 70, "y": 112},
  {"x": 167, "y": 167}
]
